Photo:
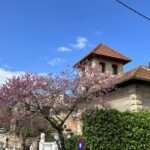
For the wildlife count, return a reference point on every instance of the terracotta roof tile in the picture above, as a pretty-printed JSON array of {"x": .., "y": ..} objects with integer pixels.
[
  {"x": 105, "y": 51},
  {"x": 139, "y": 73}
]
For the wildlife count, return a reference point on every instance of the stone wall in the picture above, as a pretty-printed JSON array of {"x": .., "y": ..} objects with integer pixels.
[
  {"x": 120, "y": 98},
  {"x": 108, "y": 64},
  {"x": 143, "y": 94},
  {"x": 95, "y": 62},
  {"x": 74, "y": 124},
  {"x": 127, "y": 98}
]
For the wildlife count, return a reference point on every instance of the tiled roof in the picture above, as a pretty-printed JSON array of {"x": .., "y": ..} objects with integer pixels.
[
  {"x": 140, "y": 73},
  {"x": 105, "y": 51}
]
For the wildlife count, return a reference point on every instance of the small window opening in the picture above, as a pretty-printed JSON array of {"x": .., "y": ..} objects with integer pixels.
[
  {"x": 114, "y": 69},
  {"x": 103, "y": 67}
]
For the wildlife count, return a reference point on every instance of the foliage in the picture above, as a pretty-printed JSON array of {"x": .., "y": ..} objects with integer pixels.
[
  {"x": 71, "y": 143},
  {"x": 113, "y": 130}
]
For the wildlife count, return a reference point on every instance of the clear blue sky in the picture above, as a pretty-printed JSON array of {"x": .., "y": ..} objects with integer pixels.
[{"x": 47, "y": 35}]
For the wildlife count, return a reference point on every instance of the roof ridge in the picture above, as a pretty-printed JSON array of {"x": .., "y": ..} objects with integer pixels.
[
  {"x": 133, "y": 71},
  {"x": 136, "y": 70},
  {"x": 147, "y": 68},
  {"x": 139, "y": 73},
  {"x": 97, "y": 46}
]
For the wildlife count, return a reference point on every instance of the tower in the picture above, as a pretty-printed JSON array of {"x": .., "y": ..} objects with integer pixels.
[{"x": 105, "y": 58}]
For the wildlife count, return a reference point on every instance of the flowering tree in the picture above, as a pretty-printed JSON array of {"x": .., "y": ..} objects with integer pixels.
[{"x": 51, "y": 96}]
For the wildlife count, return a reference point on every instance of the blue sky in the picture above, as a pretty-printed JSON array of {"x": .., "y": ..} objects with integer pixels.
[{"x": 47, "y": 35}]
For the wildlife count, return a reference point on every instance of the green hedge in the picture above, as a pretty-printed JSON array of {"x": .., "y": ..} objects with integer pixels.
[
  {"x": 113, "y": 130},
  {"x": 71, "y": 143}
]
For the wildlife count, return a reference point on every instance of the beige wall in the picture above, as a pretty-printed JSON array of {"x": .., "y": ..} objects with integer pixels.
[
  {"x": 120, "y": 99},
  {"x": 135, "y": 97},
  {"x": 131, "y": 98},
  {"x": 95, "y": 63},
  {"x": 74, "y": 124},
  {"x": 143, "y": 94}
]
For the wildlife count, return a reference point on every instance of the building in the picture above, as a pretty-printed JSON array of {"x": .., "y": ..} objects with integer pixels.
[{"x": 133, "y": 87}]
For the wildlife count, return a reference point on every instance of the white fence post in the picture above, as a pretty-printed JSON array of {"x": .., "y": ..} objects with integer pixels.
[{"x": 42, "y": 141}]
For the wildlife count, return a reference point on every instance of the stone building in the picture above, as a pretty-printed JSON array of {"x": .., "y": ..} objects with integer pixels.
[{"x": 133, "y": 87}]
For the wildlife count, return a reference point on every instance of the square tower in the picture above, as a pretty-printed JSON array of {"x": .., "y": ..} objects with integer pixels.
[{"x": 104, "y": 58}]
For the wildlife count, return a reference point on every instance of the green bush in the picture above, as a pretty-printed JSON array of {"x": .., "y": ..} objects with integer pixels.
[
  {"x": 113, "y": 130},
  {"x": 71, "y": 143}
]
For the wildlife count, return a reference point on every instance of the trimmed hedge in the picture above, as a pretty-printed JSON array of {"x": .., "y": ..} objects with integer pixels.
[
  {"x": 71, "y": 143},
  {"x": 113, "y": 130}
]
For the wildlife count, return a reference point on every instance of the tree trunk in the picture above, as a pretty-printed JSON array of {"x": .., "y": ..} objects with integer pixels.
[
  {"x": 23, "y": 143},
  {"x": 62, "y": 140},
  {"x": 23, "y": 146}
]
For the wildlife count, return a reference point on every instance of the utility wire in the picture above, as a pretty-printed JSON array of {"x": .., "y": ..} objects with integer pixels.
[{"x": 133, "y": 10}]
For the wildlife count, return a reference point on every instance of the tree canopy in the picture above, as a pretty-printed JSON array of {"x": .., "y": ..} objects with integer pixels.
[{"x": 49, "y": 96}]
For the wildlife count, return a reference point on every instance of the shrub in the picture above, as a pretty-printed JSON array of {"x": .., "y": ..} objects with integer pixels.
[
  {"x": 113, "y": 130},
  {"x": 71, "y": 143}
]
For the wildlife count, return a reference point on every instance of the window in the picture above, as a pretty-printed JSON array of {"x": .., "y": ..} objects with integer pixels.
[
  {"x": 114, "y": 69},
  {"x": 103, "y": 67}
]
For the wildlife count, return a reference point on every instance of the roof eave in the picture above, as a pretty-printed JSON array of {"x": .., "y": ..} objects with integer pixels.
[
  {"x": 117, "y": 59},
  {"x": 133, "y": 79}
]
